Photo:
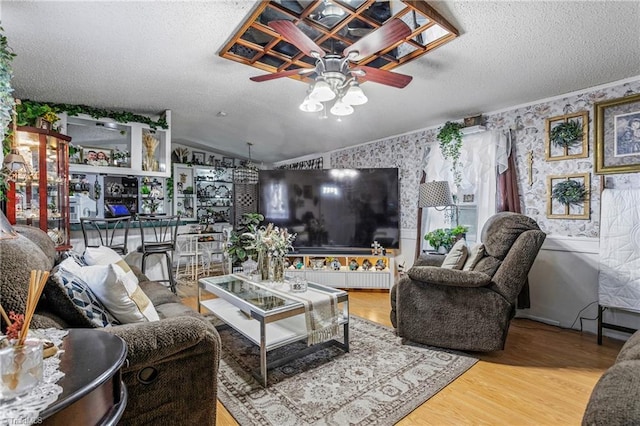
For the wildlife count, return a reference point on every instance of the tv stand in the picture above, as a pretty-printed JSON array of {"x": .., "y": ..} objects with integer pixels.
[{"x": 352, "y": 272}]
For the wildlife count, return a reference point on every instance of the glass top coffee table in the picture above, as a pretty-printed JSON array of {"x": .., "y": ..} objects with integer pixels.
[{"x": 269, "y": 315}]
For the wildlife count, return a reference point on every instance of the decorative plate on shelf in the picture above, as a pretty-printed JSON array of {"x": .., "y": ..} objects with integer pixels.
[{"x": 222, "y": 191}]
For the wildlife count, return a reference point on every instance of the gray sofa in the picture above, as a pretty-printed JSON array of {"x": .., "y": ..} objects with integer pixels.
[
  {"x": 468, "y": 310},
  {"x": 615, "y": 400},
  {"x": 172, "y": 364}
]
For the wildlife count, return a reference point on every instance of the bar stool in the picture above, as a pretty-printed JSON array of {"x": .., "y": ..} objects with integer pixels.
[
  {"x": 162, "y": 232},
  {"x": 105, "y": 229}
]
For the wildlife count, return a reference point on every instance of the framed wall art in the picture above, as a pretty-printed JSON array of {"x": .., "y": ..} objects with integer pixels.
[
  {"x": 228, "y": 162},
  {"x": 197, "y": 157},
  {"x": 567, "y": 136},
  {"x": 617, "y": 134},
  {"x": 97, "y": 156},
  {"x": 568, "y": 196}
]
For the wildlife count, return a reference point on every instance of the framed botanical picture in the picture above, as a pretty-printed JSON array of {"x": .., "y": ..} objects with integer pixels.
[
  {"x": 97, "y": 156},
  {"x": 197, "y": 157},
  {"x": 567, "y": 136},
  {"x": 617, "y": 134},
  {"x": 568, "y": 196}
]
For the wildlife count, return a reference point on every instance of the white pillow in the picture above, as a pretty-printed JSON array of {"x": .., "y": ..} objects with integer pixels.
[
  {"x": 475, "y": 254},
  {"x": 118, "y": 293},
  {"x": 106, "y": 256},
  {"x": 456, "y": 256}
]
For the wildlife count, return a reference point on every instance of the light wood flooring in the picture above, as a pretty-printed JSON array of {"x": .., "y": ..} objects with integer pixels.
[{"x": 543, "y": 377}]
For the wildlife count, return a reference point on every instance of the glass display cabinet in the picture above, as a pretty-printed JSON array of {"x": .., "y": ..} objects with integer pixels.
[{"x": 39, "y": 196}]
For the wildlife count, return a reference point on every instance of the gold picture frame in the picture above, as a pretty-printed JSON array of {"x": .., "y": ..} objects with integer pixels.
[
  {"x": 617, "y": 135},
  {"x": 554, "y": 153},
  {"x": 557, "y": 210}
]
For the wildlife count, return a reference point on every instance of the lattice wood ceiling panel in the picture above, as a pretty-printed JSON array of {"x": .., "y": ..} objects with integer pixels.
[{"x": 334, "y": 25}]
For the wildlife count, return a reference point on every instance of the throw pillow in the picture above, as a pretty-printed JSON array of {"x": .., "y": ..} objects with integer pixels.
[
  {"x": 72, "y": 299},
  {"x": 475, "y": 254},
  {"x": 106, "y": 256},
  {"x": 122, "y": 297},
  {"x": 456, "y": 256}
]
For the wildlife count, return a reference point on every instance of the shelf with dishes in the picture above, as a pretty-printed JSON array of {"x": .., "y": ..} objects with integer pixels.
[{"x": 342, "y": 271}]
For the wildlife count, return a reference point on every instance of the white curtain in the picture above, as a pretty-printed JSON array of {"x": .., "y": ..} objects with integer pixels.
[{"x": 482, "y": 156}]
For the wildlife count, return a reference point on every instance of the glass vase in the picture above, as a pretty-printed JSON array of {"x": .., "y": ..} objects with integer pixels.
[
  {"x": 20, "y": 369},
  {"x": 277, "y": 268},
  {"x": 263, "y": 265}
]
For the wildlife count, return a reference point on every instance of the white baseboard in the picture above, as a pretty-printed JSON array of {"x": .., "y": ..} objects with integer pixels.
[{"x": 539, "y": 319}]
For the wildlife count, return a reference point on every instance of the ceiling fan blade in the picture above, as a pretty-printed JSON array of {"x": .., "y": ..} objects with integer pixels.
[
  {"x": 388, "y": 34},
  {"x": 388, "y": 78},
  {"x": 266, "y": 77},
  {"x": 295, "y": 36}
]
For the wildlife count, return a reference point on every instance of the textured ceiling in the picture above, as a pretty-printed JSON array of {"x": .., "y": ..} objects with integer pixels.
[{"x": 149, "y": 56}]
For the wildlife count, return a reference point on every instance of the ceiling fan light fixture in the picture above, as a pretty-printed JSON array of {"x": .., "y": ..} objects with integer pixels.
[
  {"x": 355, "y": 95},
  {"x": 341, "y": 108},
  {"x": 309, "y": 105},
  {"x": 322, "y": 92}
]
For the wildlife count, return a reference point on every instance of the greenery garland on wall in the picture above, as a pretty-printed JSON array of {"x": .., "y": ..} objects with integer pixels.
[
  {"x": 6, "y": 99},
  {"x": 30, "y": 110}
]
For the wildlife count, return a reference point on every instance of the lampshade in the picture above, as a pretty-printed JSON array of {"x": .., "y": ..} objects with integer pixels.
[
  {"x": 435, "y": 194},
  {"x": 309, "y": 105},
  {"x": 340, "y": 108},
  {"x": 321, "y": 92},
  {"x": 355, "y": 95},
  {"x": 6, "y": 230}
]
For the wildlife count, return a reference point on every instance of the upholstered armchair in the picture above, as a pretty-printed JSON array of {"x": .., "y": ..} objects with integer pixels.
[{"x": 468, "y": 309}]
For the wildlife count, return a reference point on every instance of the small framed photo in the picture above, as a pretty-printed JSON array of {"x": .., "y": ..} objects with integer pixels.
[
  {"x": 228, "y": 162},
  {"x": 97, "y": 156},
  {"x": 197, "y": 157},
  {"x": 617, "y": 135}
]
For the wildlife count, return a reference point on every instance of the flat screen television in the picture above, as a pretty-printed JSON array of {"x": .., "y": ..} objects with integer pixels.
[{"x": 333, "y": 210}]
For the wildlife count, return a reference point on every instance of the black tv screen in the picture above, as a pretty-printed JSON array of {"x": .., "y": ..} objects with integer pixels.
[{"x": 337, "y": 210}]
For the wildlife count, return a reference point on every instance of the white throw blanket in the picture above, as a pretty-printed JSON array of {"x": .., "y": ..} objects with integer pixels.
[
  {"x": 619, "y": 277},
  {"x": 321, "y": 311}
]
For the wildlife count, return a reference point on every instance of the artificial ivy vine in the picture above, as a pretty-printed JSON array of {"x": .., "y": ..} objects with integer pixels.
[
  {"x": 450, "y": 140},
  {"x": 6, "y": 99},
  {"x": 30, "y": 110}
]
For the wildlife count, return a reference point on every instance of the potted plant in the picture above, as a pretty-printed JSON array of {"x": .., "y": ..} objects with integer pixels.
[
  {"x": 566, "y": 134},
  {"x": 121, "y": 158},
  {"x": 442, "y": 239},
  {"x": 569, "y": 192},
  {"x": 241, "y": 245},
  {"x": 450, "y": 141}
]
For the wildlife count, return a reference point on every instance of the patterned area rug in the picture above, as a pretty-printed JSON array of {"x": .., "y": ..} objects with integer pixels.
[{"x": 377, "y": 383}]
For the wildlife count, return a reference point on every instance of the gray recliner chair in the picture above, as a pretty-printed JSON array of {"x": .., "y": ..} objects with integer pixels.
[{"x": 468, "y": 310}]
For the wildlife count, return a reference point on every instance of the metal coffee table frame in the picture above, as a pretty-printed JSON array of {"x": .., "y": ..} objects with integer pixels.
[{"x": 268, "y": 327}]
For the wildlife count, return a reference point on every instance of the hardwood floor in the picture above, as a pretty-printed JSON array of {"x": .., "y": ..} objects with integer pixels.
[{"x": 543, "y": 377}]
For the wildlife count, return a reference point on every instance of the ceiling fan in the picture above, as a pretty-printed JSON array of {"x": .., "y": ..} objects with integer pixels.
[{"x": 337, "y": 76}]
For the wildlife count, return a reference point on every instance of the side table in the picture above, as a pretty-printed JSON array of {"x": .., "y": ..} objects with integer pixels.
[{"x": 92, "y": 389}]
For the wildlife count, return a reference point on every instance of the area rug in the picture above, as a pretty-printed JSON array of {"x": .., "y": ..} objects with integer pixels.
[{"x": 377, "y": 383}]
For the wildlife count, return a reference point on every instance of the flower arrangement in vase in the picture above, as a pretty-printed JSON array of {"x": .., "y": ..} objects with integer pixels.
[{"x": 272, "y": 244}]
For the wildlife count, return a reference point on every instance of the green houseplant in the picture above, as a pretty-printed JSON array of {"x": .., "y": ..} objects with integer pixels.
[
  {"x": 566, "y": 134},
  {"x": 6, "y": 99},
  {"x": 240, "y": 244},
  {"x": 445, "y": 237},
  {"x": 450, "y": 142},
  {"x": 569, "y": 192}
]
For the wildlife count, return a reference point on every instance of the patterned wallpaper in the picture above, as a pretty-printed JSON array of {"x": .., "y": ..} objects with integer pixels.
[{"x": 407, "y": 152}]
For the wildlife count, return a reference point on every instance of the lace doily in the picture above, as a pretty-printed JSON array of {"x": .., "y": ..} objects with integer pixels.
[{"x": 26, "y": 409}]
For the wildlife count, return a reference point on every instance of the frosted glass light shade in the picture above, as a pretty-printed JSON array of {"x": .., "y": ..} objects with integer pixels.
[
  {"x": 321, "y": 92},
  {"x": 341, "y": 109},
  {"x": 309, "y": 105},
  {"x": 355, "y": 96}
]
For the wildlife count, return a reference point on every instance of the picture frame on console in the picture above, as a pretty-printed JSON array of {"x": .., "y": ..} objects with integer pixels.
[{"x": 617, "y": 135}]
